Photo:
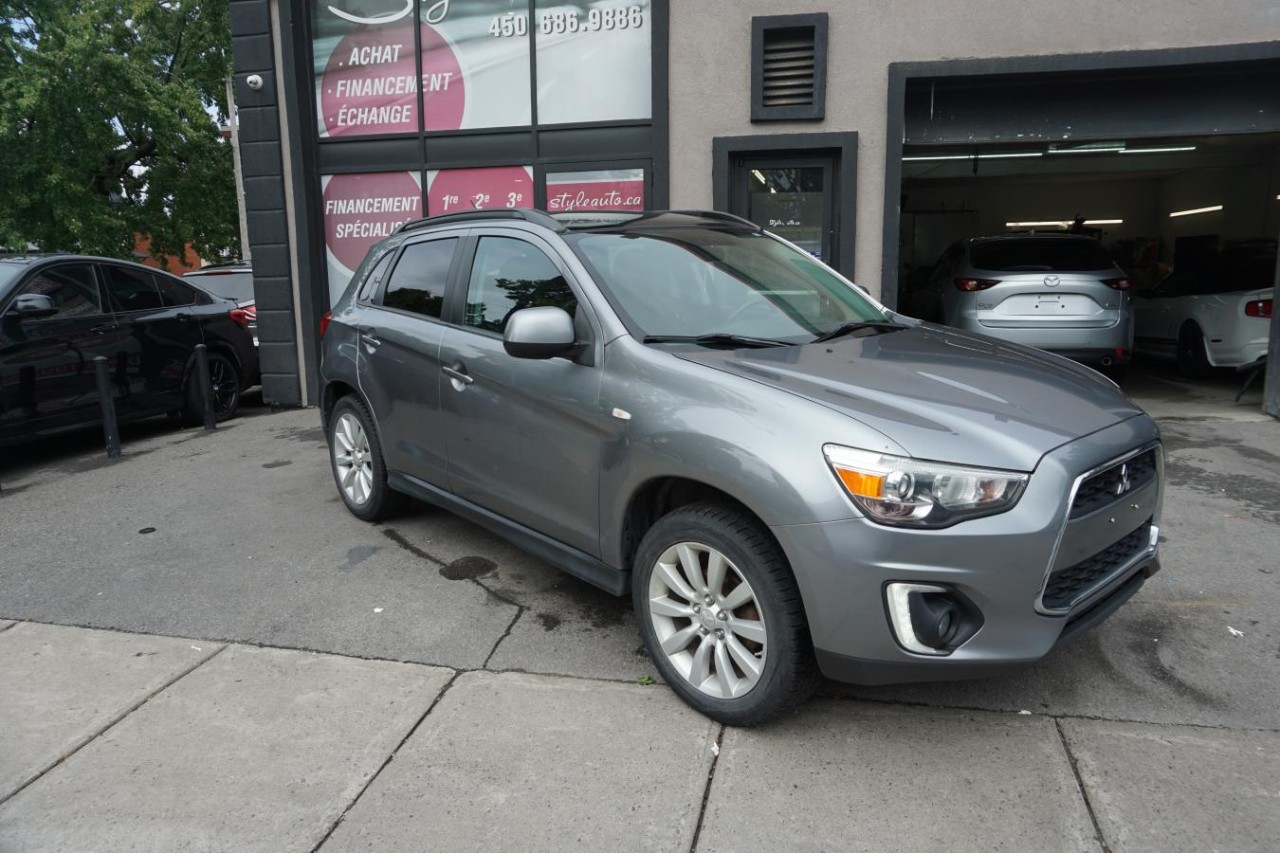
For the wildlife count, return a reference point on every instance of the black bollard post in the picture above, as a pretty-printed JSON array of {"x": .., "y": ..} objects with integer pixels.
[
  {"x": 110, "y": 430},
  {"x": 206, "y": 386}
]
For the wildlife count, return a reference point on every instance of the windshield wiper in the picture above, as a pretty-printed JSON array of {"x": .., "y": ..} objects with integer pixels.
[
  {"x": 849, "y": 328},
  {"x": 716, "y": 339}
]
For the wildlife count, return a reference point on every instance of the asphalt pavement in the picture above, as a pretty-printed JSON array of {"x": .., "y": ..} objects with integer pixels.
[{"x": 200, "y": 649}]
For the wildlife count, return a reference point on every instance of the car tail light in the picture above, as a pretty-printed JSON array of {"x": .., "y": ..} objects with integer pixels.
[
  {"x": 1118, "y": 283},
  {"x": 244, "y": 316},
  {"x": 1258, "y": 308},
  {"x": 324, "y": 322},
  {"x": 970, "y": 285}
]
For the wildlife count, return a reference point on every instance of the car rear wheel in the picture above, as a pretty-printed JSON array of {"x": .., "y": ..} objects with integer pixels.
[
  {"x": 721, "y": 615},
  {"x": 355, "y": 455},
  {"x": 224, "y": 379},
  {"x": 1192, "y": 359}
]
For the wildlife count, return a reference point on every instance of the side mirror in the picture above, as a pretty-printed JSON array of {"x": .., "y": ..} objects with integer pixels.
[
  {"x": 33, "y": 305},
  {"x": 539, "y": 333}
]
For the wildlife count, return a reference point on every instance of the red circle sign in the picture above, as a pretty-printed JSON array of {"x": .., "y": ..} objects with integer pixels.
[
  {"x": 370, "y": 83},
  {"x": 360, "y": 210},
  {"x": 485, "y": 188}
]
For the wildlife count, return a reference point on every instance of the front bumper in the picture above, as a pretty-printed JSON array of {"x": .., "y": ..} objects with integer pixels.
[{"x": 1000, "y": 564}]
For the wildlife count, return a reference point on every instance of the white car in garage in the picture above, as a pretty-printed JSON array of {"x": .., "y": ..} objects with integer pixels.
[{"x": 1217, "y": 317}]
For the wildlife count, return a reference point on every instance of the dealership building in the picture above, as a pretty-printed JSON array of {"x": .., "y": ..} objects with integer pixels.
[{"x": 874, "y": 135}]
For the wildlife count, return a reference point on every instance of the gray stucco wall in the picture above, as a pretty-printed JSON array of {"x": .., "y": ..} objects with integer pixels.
[{"x": 710, "y": 68}]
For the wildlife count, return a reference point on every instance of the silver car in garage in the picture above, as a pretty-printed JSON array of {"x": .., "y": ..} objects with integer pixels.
[{"x": 1057, "y": 292}]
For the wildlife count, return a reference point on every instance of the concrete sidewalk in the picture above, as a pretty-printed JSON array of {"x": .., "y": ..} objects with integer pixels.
[{"x": 126, "y": 741}]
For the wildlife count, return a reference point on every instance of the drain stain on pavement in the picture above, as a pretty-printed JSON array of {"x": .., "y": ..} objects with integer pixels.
[
  {"x": 357, "y": 555},
  {"x": 549, "y": 622},
  {"x": 315, "y": 434}
]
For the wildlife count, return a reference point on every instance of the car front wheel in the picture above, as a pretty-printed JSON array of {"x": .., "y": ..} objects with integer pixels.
[{"x": 721, "y": 614}]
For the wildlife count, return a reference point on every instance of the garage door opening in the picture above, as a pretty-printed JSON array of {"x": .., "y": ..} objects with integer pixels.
[{"x": 1173, "y": 170}]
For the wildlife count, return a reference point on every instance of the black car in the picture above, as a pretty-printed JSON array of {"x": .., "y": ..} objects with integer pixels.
[
  {"x": 233, "y": 281},
  {"x": 59, "y": 312}
]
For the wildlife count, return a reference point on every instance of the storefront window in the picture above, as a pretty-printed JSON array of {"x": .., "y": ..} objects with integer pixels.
[
  {"x": 475, "y": 64},
  {"x": 360, "y": 210},
  {"x": 611, "y": 189},
  {"x": 452, "y": 190},
  {"x": 594, "y": 60}
]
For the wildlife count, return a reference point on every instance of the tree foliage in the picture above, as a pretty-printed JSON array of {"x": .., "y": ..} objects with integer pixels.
[{"x": 109, "y": 113}]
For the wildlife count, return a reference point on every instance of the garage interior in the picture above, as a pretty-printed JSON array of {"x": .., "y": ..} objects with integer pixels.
[{"x": 1166, "y": 166}]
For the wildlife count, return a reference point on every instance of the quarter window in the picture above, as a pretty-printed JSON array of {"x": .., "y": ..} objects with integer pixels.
[
  {"x": 508, "y": 275},
  {"x": 71, "y": 287},
  {"x": 418, "y": 281},
  {"x": 174, "y": 294},
  {"x": 132, "y": 290}
]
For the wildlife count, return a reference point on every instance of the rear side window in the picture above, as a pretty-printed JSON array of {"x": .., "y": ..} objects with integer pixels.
[
  {"x": 375, "y": 277},
  {"x": 508, "y": 275},
  {"x": 71, "y": 287},
  {"x": 1045, "y": 255},
  {"x": 418, "y": 281},
  {"x": 132, "y": 290},
  {"x": 174, "y": 294}
]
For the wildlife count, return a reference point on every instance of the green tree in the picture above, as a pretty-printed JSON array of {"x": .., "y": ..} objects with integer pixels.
[{"x": 109, "y": 113}]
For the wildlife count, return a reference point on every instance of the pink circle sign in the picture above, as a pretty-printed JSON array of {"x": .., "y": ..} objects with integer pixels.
[
  {"x": 360, "y": 210},
  {"x": 370, "y": 83},
  {"x": 452, "y": 190}
]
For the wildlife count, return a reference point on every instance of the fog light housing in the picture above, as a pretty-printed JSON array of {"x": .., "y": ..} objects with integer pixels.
[{"x": 929, "y": 619}]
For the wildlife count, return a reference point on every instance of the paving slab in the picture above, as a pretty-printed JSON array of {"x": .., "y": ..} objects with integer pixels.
[
  {"x": 525, "y": 762},
  {"x": 1165, "y": 789},
  {"x": 258, "y": 749},
  {"x": 62, "y": 686},
  {"x": 852, "y": 776}
]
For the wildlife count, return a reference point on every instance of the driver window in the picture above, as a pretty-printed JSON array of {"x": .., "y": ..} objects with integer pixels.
[
  {"x": 508, "y": 275},
  {"x": 72, "y": 287}
]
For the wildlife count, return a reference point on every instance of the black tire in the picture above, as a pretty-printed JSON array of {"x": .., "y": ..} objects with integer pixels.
[
  {"x": 380, "y": 501},
  {"x": 227, "y": 386},
  {"x": 788, "y": 674},
  {"x": 1192, "y": 359}
]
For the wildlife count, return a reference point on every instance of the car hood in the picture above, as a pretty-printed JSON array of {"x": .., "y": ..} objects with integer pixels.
[{"x": 939, "y": 393}]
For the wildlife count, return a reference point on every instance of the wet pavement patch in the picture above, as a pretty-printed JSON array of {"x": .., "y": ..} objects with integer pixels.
[
  {"x": 549, "y": 622},
  {"x": 357, "y": 555},
  {"x": 468, "y": 569},
  {"x": 144, "y": 531},
  {"x": 279, "y": 463},
  {"x": 315, "y": 434}
]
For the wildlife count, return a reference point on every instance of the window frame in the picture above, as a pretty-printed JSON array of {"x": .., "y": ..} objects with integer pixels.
[
  {"x": 98, "y": 282},
  {"x": 105, "y": 284},
  {"x": 375, "y": 298}
]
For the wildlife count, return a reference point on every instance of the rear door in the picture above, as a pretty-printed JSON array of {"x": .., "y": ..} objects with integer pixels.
[
  {"x": 524, "y": 434},
  {"x": 399, "y": 328},
  {"x": 47, "y": 377},
  {"x": 159, "y": 340}
]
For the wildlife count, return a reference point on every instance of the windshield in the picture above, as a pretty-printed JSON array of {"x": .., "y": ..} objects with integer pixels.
[
  {"x": 1051, "y": 254},
  {"x": 687, "y": 282}
]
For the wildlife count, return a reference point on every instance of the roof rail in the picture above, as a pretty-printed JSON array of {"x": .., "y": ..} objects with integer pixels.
[
  {"x": 527, "y": 214},
  {"x": 718, "y": 214}
]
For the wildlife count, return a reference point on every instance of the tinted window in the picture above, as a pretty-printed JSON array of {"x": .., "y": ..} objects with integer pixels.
[
  {"x": 71, "y": 287},
  {"x": 228, "y": 285},
  {"x": 508, "y": 275},
  {"x": 1043, "y": 255},
  {"x": 174, "y": 293},
  {"x": 132, "y": 290},
  {"x": 418, "y": 281}
]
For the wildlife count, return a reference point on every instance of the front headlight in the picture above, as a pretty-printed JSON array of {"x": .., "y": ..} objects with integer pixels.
[{"x": 907, "y": 492}]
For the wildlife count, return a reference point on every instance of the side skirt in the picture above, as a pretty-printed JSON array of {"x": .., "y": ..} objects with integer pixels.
[{"x": 577, "y": 563}]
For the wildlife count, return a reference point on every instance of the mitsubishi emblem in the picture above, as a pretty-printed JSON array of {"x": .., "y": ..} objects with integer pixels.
[
  {"x": 1124, "y": 485},
  {"x": 1052, "y": 281}
]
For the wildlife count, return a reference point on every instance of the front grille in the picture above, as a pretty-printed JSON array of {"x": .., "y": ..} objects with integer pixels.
[
  {"x": 1067, "y": 584},
  {"x": 1106, "y": 487}
]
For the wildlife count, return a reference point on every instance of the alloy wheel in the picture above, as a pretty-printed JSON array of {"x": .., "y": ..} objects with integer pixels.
[
  {"x": 707, "y": 620},
  {"x": 226, "y": 387},
  {"x": 352, "y": 458}
]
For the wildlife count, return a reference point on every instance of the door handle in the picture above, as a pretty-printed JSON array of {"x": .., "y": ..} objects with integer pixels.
[
  {"x": 458, "y": 374},
  {"x": 367, "y": 335},
  {"x": 102, "y": 329},
  {"x": 182, "y": 318}
]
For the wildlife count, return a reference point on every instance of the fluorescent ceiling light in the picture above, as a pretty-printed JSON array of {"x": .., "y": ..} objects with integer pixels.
[
  {"x": 1008, "y": 156},
  {"x": 759, "y": 177},
  {"x": 1062, "y": 223},
  {"x": 1164, "y": 150},
  {"x": 1089, "y": 148},
  {"x": 1193, "y": 211}
]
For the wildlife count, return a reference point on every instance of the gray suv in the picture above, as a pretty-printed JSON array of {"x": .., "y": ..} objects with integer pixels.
[
  {"x": 1059, "y": 292},
  {"x": 788, "y": 478}
]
